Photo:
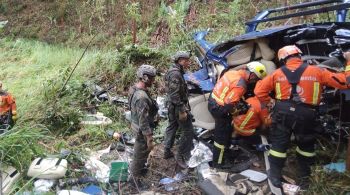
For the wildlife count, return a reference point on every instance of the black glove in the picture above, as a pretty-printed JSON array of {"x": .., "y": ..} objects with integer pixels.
[{"x": 242, "y": 106}]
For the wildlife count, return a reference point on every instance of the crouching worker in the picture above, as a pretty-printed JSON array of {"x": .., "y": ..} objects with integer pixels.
[
  {"x": 225, "y": 98},
  {"x": 257, "y": 117},
  {"x": 8, "y": 113},
  {"x": 143, "y": 111}
]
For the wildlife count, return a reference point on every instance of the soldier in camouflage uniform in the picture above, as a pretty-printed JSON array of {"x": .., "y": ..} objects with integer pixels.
[
  {"x": 143, "y": 111},
  {"x": 178, "y": 110}
]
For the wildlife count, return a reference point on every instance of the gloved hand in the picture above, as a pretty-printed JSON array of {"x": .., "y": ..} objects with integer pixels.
[
  {"x": 242, "y": 106},
  {"x": 14, "y": 117},
  {"x": 183, "y": 116},
  {"x": 149, "y": 140}
]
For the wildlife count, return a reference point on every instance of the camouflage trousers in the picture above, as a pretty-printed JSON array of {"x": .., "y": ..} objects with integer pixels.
[
  {"x": 140, "y": 156},
  {"x": 187, "y": 133}
]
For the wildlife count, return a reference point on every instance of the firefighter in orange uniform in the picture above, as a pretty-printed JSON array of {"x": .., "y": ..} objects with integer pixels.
[
  {"x": 257, "y": 116},
  {"x": 298, "y": 87},
  {"x": 8, "y": 113},
  {"x": 225, "y": 99}
]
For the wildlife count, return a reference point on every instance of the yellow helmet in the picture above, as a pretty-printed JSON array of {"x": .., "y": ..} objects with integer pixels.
[{"x": 257, "y": 68}]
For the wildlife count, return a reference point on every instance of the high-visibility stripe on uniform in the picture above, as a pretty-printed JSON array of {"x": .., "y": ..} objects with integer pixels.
[
  {"x": 347, "y": 68},
  {"x": 315, "y": 94},
  {"x": 247, "y": 118},
  {"x": 278, "y": 91},
  {"x": 307, "y": 154},
  {"x": 250, "y": 131},
  {"x": 230, "y": 95},
  {"x": 223, "y": 94},
  {"x": 222, "y": 149},
  {"x": 217, "y": 99},
  {"x": 277, "y": 154}
]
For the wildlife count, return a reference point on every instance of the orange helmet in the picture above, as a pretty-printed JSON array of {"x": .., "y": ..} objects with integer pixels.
[{"x": 287, "y": 51}]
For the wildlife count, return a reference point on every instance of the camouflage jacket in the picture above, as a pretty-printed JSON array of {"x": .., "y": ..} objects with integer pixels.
[
  {"x": 143, "y": 110},
  {"x": 176, "y": 87}
]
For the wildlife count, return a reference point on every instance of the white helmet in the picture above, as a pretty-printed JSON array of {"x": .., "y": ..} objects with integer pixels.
[{"x": 257, "y": 68}]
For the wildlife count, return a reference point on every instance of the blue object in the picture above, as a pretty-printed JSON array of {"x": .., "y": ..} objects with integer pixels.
[
  {"x": 93, "y": 190},
  {"x": 338, "y": 167},
  {"x": 263, "y": 147},
  {"x": 200, "y": 77},
  {"x": 167, "y": 180}
]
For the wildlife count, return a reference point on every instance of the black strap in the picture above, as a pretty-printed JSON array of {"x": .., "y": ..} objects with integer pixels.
[
  {"x": 58, "y": 162},
  {"x": 39, "y": 161},
  {"x": 293, "y": 78}
]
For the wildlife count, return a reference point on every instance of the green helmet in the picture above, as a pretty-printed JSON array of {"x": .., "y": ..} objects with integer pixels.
[{"x": 146, "y": 69}]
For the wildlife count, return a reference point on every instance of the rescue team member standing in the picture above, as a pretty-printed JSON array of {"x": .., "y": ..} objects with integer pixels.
[
  {"x": 223, "y": 101},
  {"x": 178, "y": 110},
  {"x": 8, "y": 112},
  {"x": 257, "y": 116},
  {"x": 143, "y": 111},
  {"x": 298, "y": 88}
]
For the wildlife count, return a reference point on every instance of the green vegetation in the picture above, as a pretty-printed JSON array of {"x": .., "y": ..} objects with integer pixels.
[{"x": 45, "y": 41}]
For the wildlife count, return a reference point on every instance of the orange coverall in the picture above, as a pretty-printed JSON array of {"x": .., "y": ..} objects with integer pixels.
[{"x": 257, "y": 115}]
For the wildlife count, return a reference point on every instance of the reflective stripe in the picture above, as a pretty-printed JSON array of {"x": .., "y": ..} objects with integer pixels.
[
  {"x": 347, "y": 68},
  {"x": 278, "y": 91},
  {"x": 223, "y": 93},
  {"x": 278, "y": 154},
  {"x": 247, "y": 118},
  {"x": 316, "y": 91},
  {"x": 221, "y": 155},
  {"x": 303, "y": 153},
  {"x": 231, "y": 94},
  {"x": 250, "y": 131},
  {"x": 218, "y": 100}
]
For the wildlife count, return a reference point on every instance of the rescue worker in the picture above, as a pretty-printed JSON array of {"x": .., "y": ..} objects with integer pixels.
[
  {"x": 178, "y": 110},
  {"x": 256, "y": 117},
  {"x": 225, "y": 99},
  {"x": 8, "y": 111},
  {"x": 143, "y": 111},
  {"x": 298, "y": 87}
]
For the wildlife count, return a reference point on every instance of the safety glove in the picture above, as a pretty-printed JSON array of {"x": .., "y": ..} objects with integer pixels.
[
  {"x": 14, "y": 117},
  {"x": 242, "y": 107}
]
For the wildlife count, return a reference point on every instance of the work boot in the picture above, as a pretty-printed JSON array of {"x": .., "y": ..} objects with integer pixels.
[
  {"x": 275, "y": 171},
  {"x": 219, "y": 158},
  {"x": 274, "y": 178},
  {"x": 304, "y": 170},
  {"x": 168, "y": 153},
  {"x": 181, "y": 162}
]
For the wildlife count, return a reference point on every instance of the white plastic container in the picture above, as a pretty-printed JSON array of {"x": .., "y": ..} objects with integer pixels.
[
  {"x": 96, "y": 119},
  {"x": 254, "y": 175},
  {"x": 48, "y": 168},
  {"x": 9, "y": 177}
]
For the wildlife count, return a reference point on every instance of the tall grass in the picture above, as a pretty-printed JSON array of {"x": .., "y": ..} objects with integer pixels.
[
  {"x": 28, "y": 66},
  {"x": 34, "y": 72}
]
